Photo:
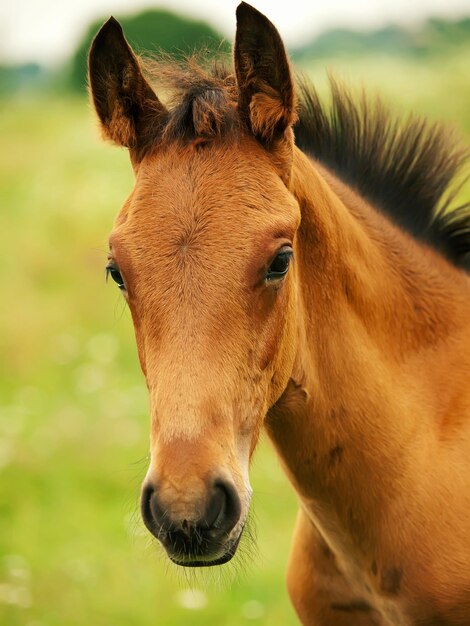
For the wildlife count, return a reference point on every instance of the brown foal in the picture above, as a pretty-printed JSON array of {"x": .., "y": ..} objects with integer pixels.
[{"x": 322, "y": 297}]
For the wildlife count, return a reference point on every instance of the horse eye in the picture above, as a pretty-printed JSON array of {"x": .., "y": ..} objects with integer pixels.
[
  {"x": 116, "y": 276},
  {"x": 280, "y": 264}
]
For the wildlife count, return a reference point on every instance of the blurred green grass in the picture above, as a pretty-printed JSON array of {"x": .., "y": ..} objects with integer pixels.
[{"x": 73, "y": 414}]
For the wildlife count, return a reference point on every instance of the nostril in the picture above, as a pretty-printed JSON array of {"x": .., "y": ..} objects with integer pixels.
[
  {"x": 146, "y": 507},
  {"x": 216, "y": 509},
  {"x": 224, "y": 508}
]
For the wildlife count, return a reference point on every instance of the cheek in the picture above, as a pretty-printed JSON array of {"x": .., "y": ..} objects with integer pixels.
[
  {"x": 272, "y": 323},
  {"x": 280, "y": 344},
  {"x": 248, "y": 435},
  {"x": 139, "y": 342}
]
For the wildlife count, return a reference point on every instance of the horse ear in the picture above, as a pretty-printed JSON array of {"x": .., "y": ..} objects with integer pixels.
[
  {"x": 266, "y": 90},
  {"x": 124, "y": 101}
]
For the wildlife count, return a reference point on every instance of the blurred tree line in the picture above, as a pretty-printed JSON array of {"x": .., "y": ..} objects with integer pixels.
[
  {"x": 15, "y": 77},
  {"x": 435, "y": 36}
]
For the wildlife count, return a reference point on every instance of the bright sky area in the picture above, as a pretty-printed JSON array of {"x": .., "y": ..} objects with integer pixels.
[{"x": 48, "y": 30}]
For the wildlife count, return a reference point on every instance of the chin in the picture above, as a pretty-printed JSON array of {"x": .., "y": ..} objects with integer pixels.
[{"x": 207, "y": 560}]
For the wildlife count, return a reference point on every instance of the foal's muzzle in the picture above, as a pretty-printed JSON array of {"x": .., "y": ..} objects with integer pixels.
[{"x": 203, "y": 540}]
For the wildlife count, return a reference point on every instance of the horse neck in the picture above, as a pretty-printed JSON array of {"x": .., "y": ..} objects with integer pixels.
[
  {"x": 373, "y": 306},
  {"x": 360, "y": 276}
]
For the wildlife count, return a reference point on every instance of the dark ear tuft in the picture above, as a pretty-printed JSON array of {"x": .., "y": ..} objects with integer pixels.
[
  {"x": 124, "y": 101},
  {"x": 267, "y": 98}
]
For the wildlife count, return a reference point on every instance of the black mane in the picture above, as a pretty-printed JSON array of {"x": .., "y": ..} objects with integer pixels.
[{"x": 408, "y": 170}]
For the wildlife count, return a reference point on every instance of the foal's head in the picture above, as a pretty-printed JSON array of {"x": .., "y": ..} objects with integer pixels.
[{"x": 203, "y": 253}]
